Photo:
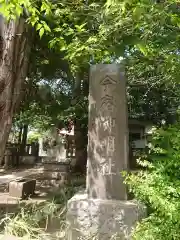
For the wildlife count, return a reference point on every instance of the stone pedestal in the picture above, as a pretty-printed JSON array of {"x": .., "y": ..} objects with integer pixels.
[
  {"x": 28, "y": 160},
  {"x": 22, "y": 188},
  {"x": 104, "y": 211},
  {"x": 101, "y": 219},
  {"x": 55, "y": 174}
]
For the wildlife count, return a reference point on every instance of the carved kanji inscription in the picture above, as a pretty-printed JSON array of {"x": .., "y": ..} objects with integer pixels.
[
  {"x": 108, "y": 122},
  {"x": 110, "y": 144},
  {"x": 107, "y": 167},
  {"x": 107, "y": 103},
  {"x": 106, "y": 82}
]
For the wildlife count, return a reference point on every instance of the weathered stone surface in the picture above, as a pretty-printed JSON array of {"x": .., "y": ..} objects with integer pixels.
[
  {"x": 88, "y": 218},
  {"x": 104, "y": 212},
  {"x": 108, "y": 133},
  {"x": 55, "y": 175},
  {"x": 22, "y": 188},
  {"x": 55, "y": 166},
  {"x": 28, "y": 160}
]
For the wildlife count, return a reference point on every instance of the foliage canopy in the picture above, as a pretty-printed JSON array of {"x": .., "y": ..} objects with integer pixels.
[
  {"x": 144, "y": 33},
  {"x": 158, "y": 186}
]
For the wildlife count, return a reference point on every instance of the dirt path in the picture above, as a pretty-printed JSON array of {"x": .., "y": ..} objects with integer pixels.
[{"x": 7, "y": 177}]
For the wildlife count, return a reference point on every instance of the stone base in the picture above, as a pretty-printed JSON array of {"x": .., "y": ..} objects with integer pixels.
[
  {"x": 102, "y": 219},
  {"x": 28, "y": 160},
  {"x": 22, "y": 188},
  {"x": 55, "y": 166}
]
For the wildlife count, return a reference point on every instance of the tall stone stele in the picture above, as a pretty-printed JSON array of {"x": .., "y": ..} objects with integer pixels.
[{"x": 103, "y": 210}]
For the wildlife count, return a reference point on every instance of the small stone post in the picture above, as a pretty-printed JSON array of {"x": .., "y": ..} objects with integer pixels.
[
  {"x": 103, "y": 211},
  {"x": 7, "y": 158}
]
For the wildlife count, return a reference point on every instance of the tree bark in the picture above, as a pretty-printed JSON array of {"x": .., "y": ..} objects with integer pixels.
[
  {"x": 81, "y": 148},
  {"x": 24, "y": 138},
  {"x": 20, "y": 135},
  {"x": 14, "y": 54},
  {"x": 80, "y": 131}
]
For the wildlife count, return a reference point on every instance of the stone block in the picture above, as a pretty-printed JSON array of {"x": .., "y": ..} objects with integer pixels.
[
  {"x": 28, "y": 160},
  {"x": 61, "y": 167},
  {"x": 49, "y": 175},
  {"x": 102, "y": 219},
  {"x": 53, "y": 183},
  {"x": 22, "y": 188}
]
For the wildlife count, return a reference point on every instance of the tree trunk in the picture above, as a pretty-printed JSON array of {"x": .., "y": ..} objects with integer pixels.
[
  {"x": 20, "y": 135},
  {"x": 24, "y": 138},
  {"x": 14, "y": 54},
  {"x": 81, "y": 148},
  {"x": 80, "y": 131}
]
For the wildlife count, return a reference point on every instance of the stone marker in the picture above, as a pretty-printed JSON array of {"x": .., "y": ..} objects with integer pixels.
[
  {"x": 103, "y": 211},
  {"x": 22, "y": 188},
  {"x": 108, "y": 133}
]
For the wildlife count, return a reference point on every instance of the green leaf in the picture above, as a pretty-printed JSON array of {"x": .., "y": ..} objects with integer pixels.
[
  {"x": 47, "y": 28},
  {"x": 19, "y": 10},
  {"x": 38, "y": 26},
  {"x": 63, "y": 48},
  {"x": 58, "y": 29},
  {"x": 80, "y": 28},
  {"x": 41, "y": 32},
  {"x": 43, "y": 6},
  {"x": 51, "y": 44},
  {"x": 142, "y": 47}
]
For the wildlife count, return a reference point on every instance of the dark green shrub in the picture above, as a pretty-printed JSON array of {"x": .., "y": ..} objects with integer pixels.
[{"x": 158, "y": 186}]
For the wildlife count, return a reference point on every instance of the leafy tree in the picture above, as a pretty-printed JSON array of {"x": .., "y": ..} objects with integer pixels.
[
  {"x": 46, "y": 89},
  {"x": 101, "y": 31},
  {"x": 13, "y": 70},
  {"x": 158, "y": 186},
  {"x": 151, "y": 95}
]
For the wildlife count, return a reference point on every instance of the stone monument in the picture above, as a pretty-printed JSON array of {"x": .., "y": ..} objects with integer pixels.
[{"x": 103, "y": 211}]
